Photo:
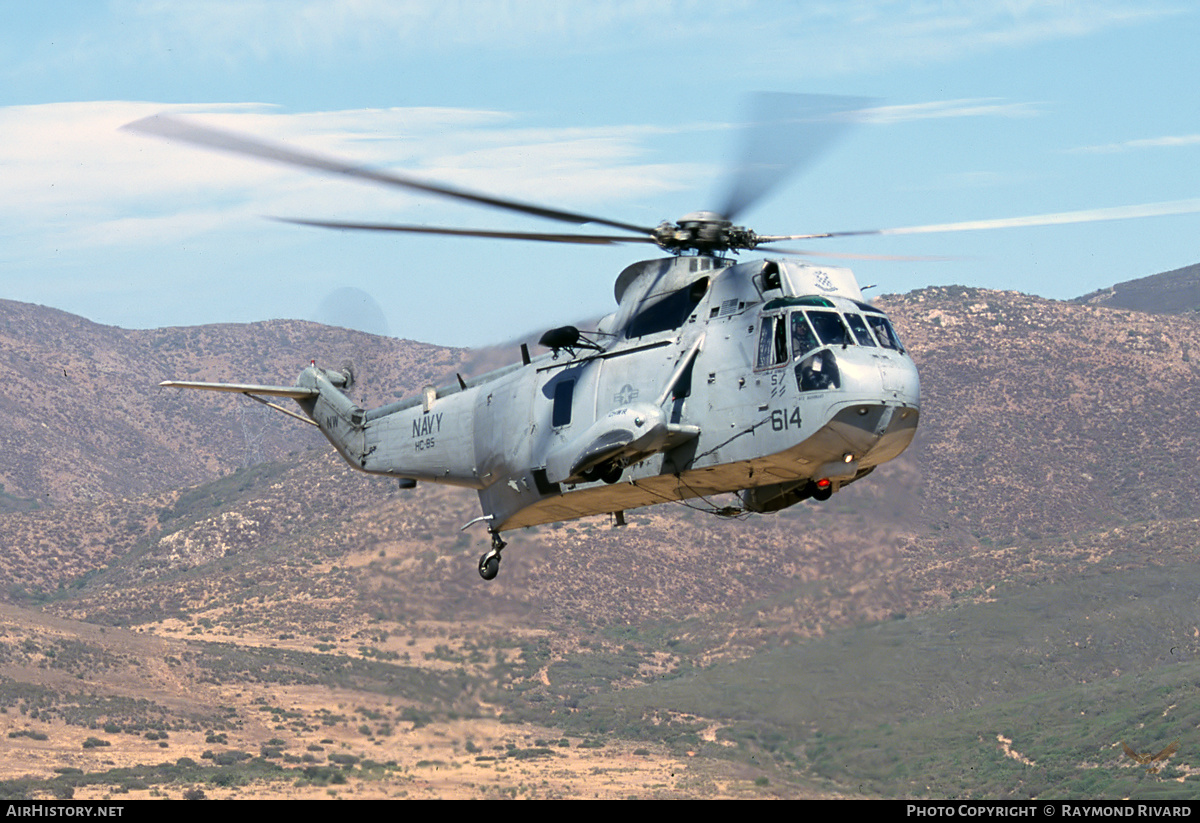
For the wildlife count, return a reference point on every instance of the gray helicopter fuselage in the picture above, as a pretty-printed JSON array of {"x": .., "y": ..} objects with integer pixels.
[{"x": 769, "y": 378}]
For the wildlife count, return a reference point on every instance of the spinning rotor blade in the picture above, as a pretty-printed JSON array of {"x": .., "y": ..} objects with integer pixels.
[
  {"x": 582, "y": 239},
  {"x": 1057, "y": 219},
  {"x": 784, "y": 133},
  {"x": 172, "y": 128},
  {"x": 905, "y": 258}
]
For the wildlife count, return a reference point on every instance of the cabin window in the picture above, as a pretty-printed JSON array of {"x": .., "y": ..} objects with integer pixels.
[
  {"x": 564, "y": 395},
  {"x": 683, "y": 386},
  {"x": 669, "y": 312}
]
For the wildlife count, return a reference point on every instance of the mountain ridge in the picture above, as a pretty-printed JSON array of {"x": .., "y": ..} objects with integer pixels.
[{"x": 1171, "y": 292}]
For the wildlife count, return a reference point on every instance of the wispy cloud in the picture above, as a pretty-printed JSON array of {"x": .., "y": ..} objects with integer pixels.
[
  {"x": 1167, "y": 142},
  {"x": 68, "y": 168},
  {"x": 939, "y": 109}
]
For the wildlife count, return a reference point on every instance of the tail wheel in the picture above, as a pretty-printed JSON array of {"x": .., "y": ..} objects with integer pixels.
[{"x": 489, "y": 561}]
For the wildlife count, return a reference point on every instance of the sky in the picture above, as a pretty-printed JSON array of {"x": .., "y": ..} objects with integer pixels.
[{"x": 980, "y": 109}]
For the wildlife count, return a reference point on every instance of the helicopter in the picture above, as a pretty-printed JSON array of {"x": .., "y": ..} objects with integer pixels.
[{"x": 772, "y": 379}]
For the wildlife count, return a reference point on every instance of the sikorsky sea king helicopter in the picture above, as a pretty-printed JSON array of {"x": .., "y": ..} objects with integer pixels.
[{"x": 772, "y": 379}]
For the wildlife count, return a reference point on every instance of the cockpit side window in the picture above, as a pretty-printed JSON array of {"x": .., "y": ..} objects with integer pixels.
[
  {"x": 885, "y": 332},
  {"x": 803, "y": 339},
  {"x": 830, "y": 328},
  {"x": 772, "y": 342},
  {"x": 860, "y": 329}
]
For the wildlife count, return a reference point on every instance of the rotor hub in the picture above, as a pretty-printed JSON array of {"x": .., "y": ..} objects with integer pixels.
[{"x": 704, "y": 232}]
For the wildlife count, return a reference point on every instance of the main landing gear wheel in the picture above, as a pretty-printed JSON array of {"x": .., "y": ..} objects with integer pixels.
[
  {"x": 489, "y": 561},
  {"x": 608, "y": 472},
  {"x": 611, "y": 472}
]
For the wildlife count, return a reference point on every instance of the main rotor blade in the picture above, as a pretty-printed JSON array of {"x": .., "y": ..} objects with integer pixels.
[
  {"x": 784, "y": 133},
  {"x": 1057, "y": 219},
  {"x": 172, "y": 128},
  {"x": 583, "y": 239},
  {"x": 904, "y": 258}
]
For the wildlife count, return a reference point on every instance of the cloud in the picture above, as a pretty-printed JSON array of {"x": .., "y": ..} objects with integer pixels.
[
  {"x": 938, "y": 109},
  {"x": 1167, "y": 142},
  {"x": 70, "y": 171}
]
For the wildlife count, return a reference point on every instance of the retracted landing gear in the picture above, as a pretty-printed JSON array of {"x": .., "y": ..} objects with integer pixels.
[
  {"x": 489, "y": 562},
  {"x": 609, "y": 472}
]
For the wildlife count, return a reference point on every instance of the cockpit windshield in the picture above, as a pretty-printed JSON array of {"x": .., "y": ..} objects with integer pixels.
[
  {"x": 830, "y": 328},
  {"x": 803, "y": 339},
  {"x": 812, "y": 328},
  {"x": 860, "y": 329}
]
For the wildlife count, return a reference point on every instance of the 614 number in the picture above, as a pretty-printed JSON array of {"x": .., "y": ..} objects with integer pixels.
[{"x": 782, "y": 420}]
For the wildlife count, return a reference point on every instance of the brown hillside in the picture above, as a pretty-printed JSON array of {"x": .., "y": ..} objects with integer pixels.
[
  {"x": 87, "y": 421},
  {"x": 204, "y": 572},
  {"x": 1057, "y": 416},
  {"x": 1041, "y": 417}
]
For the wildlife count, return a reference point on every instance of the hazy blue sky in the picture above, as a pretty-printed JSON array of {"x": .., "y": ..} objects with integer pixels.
[{"x": 623, "y": 109}]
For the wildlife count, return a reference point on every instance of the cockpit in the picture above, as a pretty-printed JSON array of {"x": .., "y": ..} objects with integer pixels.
[{"x": 805, "y": 330}]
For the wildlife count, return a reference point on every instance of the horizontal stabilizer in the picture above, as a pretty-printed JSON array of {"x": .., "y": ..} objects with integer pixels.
[{"x": 294, "y": 392}]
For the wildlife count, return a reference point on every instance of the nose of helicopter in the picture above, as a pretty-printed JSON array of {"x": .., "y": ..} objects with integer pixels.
[
  {"x": 879, "y": 377},
  {"x": 877, "y": 419},
  {"x": 900, "y": 380}
]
